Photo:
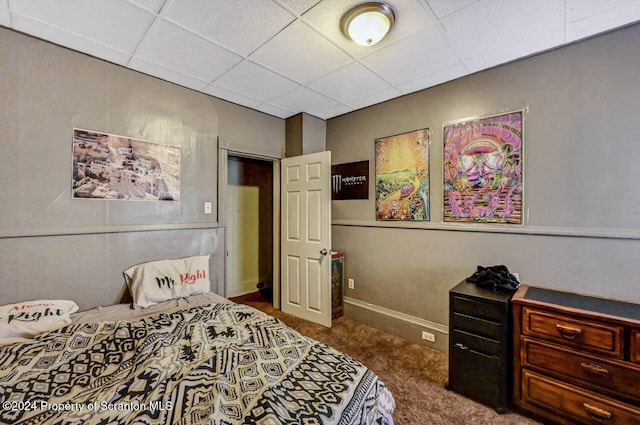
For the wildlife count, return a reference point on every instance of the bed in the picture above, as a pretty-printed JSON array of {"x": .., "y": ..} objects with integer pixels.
[{"x": 199, "y": 359}]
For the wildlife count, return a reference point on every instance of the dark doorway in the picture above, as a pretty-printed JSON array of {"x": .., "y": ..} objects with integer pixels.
[{"x": 250, "y": 216}]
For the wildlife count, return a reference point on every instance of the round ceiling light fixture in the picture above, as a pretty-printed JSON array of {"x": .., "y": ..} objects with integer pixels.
[{"x": 368, "y": 23}]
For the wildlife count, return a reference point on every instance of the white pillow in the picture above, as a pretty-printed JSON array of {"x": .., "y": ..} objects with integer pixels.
[
  {"x": 162, "y": 280},
  {"x": 21, "y": 321}
]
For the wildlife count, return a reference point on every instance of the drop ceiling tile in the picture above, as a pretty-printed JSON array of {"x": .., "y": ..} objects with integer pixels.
[
  {"x": 114, "y": 23},
  {"x": 423, "y": 53},
  {"x": 5, "y": 18},
  {"x": 253, "y": 80},
  {"x": 173, "y": 47},
  {"x": 167, "y": 74},
  {"x": 411, "y": 17},
  {"x": 299, "y": 6},
  {"x": 448, "y": 74},
  {"x": 241, "y": 26},
  {"x": 275, "y": 111},
  {"x": 333, "y": 112},
  {"x": 589, "y": 18},
  {"x": 351, "y": 82},
  {"x": 490, "y": 25},
  {"x": 231, "y": 96},
  {"x": 300, "y": 53},
  {"x": 375, "y": 98},
  {"x": 443, "y": 8},
  {"x": 303, "y": 99},
  {"x": 518, "y": 49},
  {"x": 67, "y": 39},
  {"x": 581, "y": 9}
]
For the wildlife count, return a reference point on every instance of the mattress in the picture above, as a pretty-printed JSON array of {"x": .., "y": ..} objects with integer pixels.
[{"x": 197, "y": 360}]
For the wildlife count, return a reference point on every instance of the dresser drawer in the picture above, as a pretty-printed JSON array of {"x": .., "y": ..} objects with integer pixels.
[
  {"x": 574, "y": 332},
  {"x": 575, "y": 404},
  {"x": 589, "y": 370},
  {"x": 479, "y": 308},
  {"x": 634, "y": 352},
  {"x": 476, "y": 376},
  {"x": 485, "y": 328},
  {"x": 461, "y": 339}
]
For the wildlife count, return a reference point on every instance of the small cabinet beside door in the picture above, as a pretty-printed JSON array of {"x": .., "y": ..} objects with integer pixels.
[
  {"x": 337, "y": 284},
  {"x": 480, "y": 344}
]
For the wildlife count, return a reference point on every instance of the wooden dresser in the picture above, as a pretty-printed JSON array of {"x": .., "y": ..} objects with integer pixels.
[{"x": 576, "y": 358}]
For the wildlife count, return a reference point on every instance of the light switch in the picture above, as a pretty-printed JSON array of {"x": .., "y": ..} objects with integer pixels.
[{"x": 207, "y": 207}]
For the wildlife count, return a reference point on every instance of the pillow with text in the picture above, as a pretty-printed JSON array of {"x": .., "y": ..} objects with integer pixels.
[
  {"x": 156, "y": 281},
  {"x": 21, "y": 321}
]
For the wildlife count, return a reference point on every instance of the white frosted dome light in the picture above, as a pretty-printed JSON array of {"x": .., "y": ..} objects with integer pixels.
[
  {"x": 369, "y": 28},
  {"x": 368, "y": 23}
]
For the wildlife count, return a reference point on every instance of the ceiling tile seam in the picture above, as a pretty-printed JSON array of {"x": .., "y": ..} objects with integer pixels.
[
  {"x": 232, "y": 91},
  {"x": 438, "y": 17},
  {"x": 445, "y": 35},
  {"x": 392, "y": 85},
  {"x": 274, "y": 106},
  {"x": 373, "y": 94},
  {"x": 203, "y": 37},
  {"x": 240, "y": 56},
  {"x": 248, "y": 59},
  {"x": 313, "y": 90},
  {"x": 10, "y": 13},
  {"x": 321, "y": 34},
  {"x": 144, "y": 9},
  {"x": 206, "y": 84},
  {"x": 158, "y": 18},
  {"x": 76, "y": 35},
  {"x": 290, "y": 9},
  {"x": 310, "y": 89},
  {"x": 566, "y": 19}
]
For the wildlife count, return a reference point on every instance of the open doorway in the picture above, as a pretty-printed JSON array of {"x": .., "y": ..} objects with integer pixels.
[{"x": 250, "y": 226}]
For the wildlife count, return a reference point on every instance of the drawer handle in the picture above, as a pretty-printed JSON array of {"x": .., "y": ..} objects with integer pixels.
[
  {"x": 568, "y": 332},
  {"x": 596, "y": 413},
  {"x": 595, "y": 368},
  {"x": 460, "y": 346}
]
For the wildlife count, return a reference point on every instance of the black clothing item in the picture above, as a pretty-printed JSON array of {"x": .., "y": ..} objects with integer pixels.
[{"x": 496, "y": 278}]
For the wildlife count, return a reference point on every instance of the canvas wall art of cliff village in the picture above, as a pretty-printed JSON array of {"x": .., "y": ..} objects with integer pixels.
[{"x": 107, "y": 166}]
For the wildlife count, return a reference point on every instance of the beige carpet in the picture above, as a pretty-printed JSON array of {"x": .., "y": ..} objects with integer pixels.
[{"x": 416, "y": 374}]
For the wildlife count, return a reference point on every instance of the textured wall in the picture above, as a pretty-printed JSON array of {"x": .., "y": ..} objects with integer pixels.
[{"x": 580, "y": 182}]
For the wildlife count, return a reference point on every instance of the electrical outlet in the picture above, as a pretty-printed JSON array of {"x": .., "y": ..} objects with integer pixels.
[
  {"x": 352, "y": 284},
  {"x": 428, "y": 336},
  {"x": 207, "y": 207}
]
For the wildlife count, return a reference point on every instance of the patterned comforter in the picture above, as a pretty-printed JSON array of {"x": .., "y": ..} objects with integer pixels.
[{"x": 216, "y": 364}]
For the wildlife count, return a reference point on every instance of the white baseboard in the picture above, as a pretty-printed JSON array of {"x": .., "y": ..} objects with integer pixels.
[{"x": 437, "y": 327}]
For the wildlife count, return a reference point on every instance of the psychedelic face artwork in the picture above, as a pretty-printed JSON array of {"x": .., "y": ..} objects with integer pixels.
[
  {"x": 402, "y": 176},
  {"x": 483, "y": 170}
]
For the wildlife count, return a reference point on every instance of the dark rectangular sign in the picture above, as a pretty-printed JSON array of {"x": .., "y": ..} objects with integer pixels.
[{"x": 350, "y": 180}]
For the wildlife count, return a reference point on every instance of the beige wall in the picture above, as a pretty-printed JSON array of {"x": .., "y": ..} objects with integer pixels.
[
  {"x": 52, "y": 245},
  {"x": 582, "y": 205}
]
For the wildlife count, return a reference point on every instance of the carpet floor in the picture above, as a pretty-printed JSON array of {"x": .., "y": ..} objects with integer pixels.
[{"x": 415, "y": 373}]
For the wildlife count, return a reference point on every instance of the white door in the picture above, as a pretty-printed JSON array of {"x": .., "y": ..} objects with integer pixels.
[{"x": 306, "y": 237}]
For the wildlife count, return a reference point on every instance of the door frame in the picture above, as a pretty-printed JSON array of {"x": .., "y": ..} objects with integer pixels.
[{"x": 223, "y": 219}]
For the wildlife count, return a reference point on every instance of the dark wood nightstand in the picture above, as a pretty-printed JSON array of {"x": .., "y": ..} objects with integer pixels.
[{"x": 480, "y": 344}]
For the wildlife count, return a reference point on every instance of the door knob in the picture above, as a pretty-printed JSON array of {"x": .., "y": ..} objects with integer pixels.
[{"x": 324, "y": 251}]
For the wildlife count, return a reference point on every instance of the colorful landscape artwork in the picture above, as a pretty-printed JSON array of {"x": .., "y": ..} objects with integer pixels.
[
  {"x": 483, "y": 170},
  {"x": 402, "y": 176}
]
